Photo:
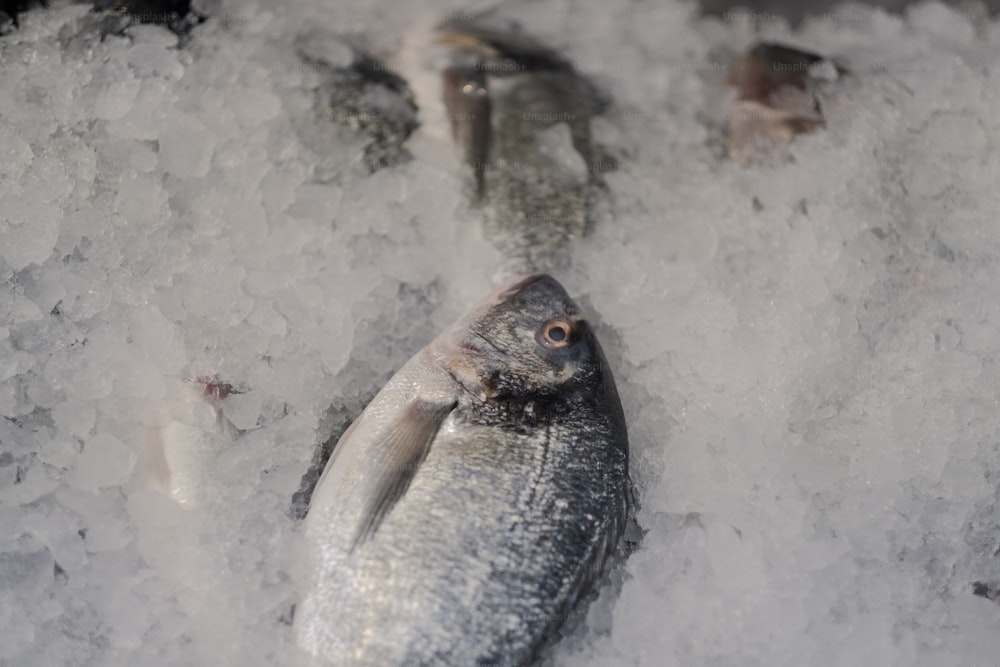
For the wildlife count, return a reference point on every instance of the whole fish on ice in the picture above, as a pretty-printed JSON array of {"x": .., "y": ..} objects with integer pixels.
[
  {"x": 476, "y": 499},
  {"x": 522, "y": 115}
]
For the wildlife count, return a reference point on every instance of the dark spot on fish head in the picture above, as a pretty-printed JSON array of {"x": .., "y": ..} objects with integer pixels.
[{"x": 539, "y": 334}]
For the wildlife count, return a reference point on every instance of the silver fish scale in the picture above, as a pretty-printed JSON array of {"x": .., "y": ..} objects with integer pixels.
[
  {"x": 477, "y": 498},
  {"x": 554, "y": 497}
]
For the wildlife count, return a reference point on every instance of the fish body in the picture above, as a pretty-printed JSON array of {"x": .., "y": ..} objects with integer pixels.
[
  {"x": 476, "y": 499},
  {"x": 527, "y": 136}
]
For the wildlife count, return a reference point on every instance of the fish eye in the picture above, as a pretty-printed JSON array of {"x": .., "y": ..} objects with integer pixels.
[{"x": 556, "y": 334}]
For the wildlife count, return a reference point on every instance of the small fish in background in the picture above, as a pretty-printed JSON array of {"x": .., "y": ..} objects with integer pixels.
[
  {"x": 362, "y": 92},
  {"x": 521, "y": 115},
  {"x": 476, "y": 500},
  {"x": 177, "y": 457},
  {"x": 781, "y": 91}
]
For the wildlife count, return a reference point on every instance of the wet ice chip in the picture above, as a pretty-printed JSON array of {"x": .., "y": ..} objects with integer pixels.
[
  {"x": 13, "y": 362},
  {"x": 29, "y": 229},
  {"x": 60, "y": 453},
  {"x": 61, "y": 530},
  {"x": 105, "y": 461},
  {"x": 244, "y": 410},
  {"x": 15, "y": 150},
  {"x": 186, "y": 146},
  {"x": 116, "y": 100},
  {"x": 155, "y": 60},
  {"x": 74, "y": 417},
  {"x": 26, "y": 573}
]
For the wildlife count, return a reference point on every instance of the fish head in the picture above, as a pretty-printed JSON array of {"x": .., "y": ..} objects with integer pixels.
[{"x": 526, "y": 338}]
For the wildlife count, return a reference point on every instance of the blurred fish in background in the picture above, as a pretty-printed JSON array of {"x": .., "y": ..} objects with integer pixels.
[
  {"x": 520, "y": 113},
  {"x": 781, "y": 94}
]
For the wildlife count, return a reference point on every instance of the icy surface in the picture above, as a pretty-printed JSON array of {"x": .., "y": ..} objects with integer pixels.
[{"x": 807, "y": 353}]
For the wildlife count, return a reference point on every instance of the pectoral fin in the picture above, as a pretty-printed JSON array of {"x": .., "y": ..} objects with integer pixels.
[{"x": 405, "y": 444}]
